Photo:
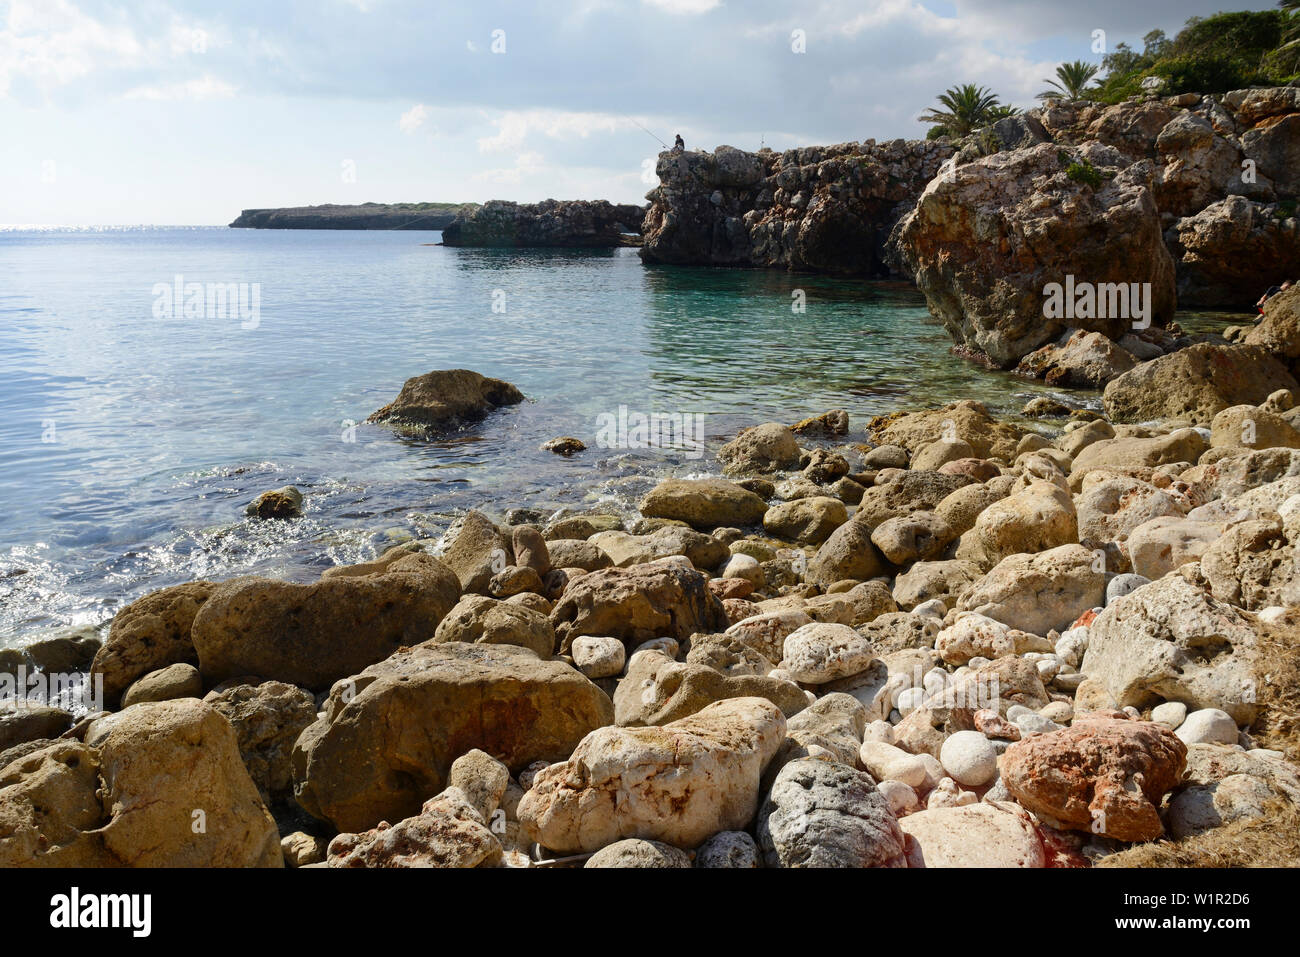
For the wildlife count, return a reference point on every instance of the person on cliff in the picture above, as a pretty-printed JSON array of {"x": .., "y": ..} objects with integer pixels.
[
  {"x": 1270, "y": 293},
  {"x": 679, "y": 144}
]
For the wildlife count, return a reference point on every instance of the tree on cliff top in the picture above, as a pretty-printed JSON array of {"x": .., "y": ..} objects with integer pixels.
[
  {"x": 968, "y": 107},
  {"x": 1071, "y": 81}
]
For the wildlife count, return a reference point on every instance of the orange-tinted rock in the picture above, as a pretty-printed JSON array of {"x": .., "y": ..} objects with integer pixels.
[{"x": 1102, "y": 775}]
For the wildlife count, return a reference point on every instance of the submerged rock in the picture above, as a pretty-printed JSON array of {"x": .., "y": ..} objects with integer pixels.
[{"x": 444, "y": 398}]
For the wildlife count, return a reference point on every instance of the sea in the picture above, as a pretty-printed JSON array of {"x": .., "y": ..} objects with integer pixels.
[{"x": 154, "y": 380}]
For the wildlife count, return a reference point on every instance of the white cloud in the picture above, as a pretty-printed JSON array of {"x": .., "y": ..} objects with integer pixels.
[
  {"x": 526, "y": 164},
  {"x": 52, "y": 42},
  {"x": 684, "y": 7},
  {"x": 515, "y": 126},
  {"x": 413, "y": 118},
  {"x": 206, "y": 87}
]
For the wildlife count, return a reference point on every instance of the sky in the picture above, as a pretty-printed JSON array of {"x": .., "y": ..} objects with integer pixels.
[{"x": 178, "y": 112}]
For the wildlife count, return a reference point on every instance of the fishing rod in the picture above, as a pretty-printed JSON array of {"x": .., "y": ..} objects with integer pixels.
[{"x": 648, "y": 133}]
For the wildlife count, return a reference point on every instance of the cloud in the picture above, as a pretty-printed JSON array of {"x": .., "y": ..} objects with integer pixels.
[
  {"x": 206, "y": 87},
  {"x": 515, "y": 126},
  {"x": 413, "y": 118},
  {"x": 684, "y": 7},
  {"x": 526, "y": 164},
  {"x": 51, "y": 42}
]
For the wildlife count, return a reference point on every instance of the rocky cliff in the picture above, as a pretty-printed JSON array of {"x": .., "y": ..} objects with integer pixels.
[
  {"x": 821, "y": 208},
  {"x": 1187, "y": 200},
  {"x": 553, "y": 222},
  {"x": 363, "y": 216}
]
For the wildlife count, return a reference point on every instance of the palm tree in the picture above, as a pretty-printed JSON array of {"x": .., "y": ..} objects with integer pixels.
[
  {"x": 968, "y": 107},
  {"x": 1002, "y": 111},
  {"x": 1071, "y": 81}
]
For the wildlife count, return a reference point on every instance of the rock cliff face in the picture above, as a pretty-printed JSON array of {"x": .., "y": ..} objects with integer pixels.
[
  {"x": 1195, "y": 195},
  {"x": 821, "y": 208},
  {"x": 549, "y": 223},
  {"x": 364, "y": 216}
]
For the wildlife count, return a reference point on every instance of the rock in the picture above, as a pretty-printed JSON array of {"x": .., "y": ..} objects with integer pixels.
[
  {"x": 1081, "y": 360},
  {"x": 300, "y": 849},
  {"x": 824, "y": 814},
  {"x": 821, "y": 652},
  {"x": 1252, "y": 566},
  {"x": 703, "y": 503},
  {"x": 634, "y": 852},
  {"x": 1252, "y": 426},
  {"x": 967, "y": 420},
  {"x": 962, "y": 508},
  {"x": 638, "y": 603},
  {"x": 437, "y": 400},
  {"x": 766, "y": 633},
  {"x": 1173, "y": 641},
  {"x": 848, "y": 553},
  {"x": 885, "y": 762},
  {"x": 134, "y": 794},
  {"x": 908, "y": 492},
  {"x": 283, "y": 502},
  {"x": 1202, "y": 807},
  {"x": 969, "y": 759},
  {"x": 830, "y": 728},
  {"x": 770, "y": 447},
  {"x": 945, "y": 581},
  {"x": 1229, "y": 250},
  {"x": 1181, "y": 445},
  {"x": 388, "y": 735},
  {"x": 565, "y": 445},
  {"x": 807, "y": 521},
  {"x": 1038, "y": 593},
  {"x": 312, "y": 635},
  {"x": 1103, "y": 775},
  {"x": 1171, "y": 714},
  {"x": 1207, "y": 726},
  {"x": 1279, "y": 330},
  {"x": 481, "y": 780},
  {"x": 974, "y": 635},
  {"x": 985, "y": 241},
  {"x": 477, "y": 552},
  {"x": 550, "y": 223},
  {"x": 1075, "y": 441},
  {"x": 997, "y": 834},
  {"x": 932, "y": 457},
  {"x": 24, "y": 721},
  {"x": 598, "y": 657},
  {"x": 447, "y": 833},
  {"x": 1196, "y": 384},
  {"x": 1161, "y": 545},
  {"x": 658, "y": 690},
  {"x": 1122, "y": 585},
  {"x": 1039, "y": 518},
  {"x": 571, "y": 553},
  {"x": 831, "y": 424},
  {"x": 150, "y": 633},
  {"x": 729, "y": 849},
  {"x": 727, "y": 655},
  {"x": 912, "y": 538},
  {"x": 175, "y": 681},
  {"x": 267, "y": 717},
  {"x": 1045, "y": 407},
  {"x": 483, "y": 620},
  {"x": 678, "y": 784}
]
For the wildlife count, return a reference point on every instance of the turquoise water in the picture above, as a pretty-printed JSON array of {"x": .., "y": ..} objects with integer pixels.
[{"x": 161, "y": 430}]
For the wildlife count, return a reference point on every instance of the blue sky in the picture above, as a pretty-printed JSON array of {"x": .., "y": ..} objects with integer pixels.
[{"x": 176, "y": 112}]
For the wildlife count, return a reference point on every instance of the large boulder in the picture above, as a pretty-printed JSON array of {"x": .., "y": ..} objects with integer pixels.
[
  {"x": 1038, "y": 593},
  {"x": 658, "y": 690},
  {"x": 679, "y": 784},
  {"x": 662, "y": 599},
  {"x": 967, "y": 420},
  {"x": 476, "y": 551},
  {"x": 1040, "y": 517},
  {"x": 1082, "y": 360},
  {"x": 1279, "y": 329},
  {"x": 268, "y": 717},
  {"x": 160, "y": 784},
  {"x": 1172, "y": 641},
  {"x": 389, "y": 734},
  {"x": 1196, "y": 384},
  {"x": 827, "y": 814},
  {"x": 1227, "y": 251},
  {"x": 703, "y": 503},
  {"x": 988, "y": 239},
  {"x": 150, "y": 633},
  {"x": 312, "y": 635},
  {"x": 477, "y": 618},
  {"x": 1104, "y": 775},
  {"x": 444, "y": 398},
  {"x": 770, "y": 447}
]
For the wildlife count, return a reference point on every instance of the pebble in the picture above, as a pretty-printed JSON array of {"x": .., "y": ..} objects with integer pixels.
[
  {"x": 969, "y": 758},
  {"x": 1170, "y": 714},
  {"x": 1059, "y": 711},
  {"x": 1208, "y": 726},
  {"x": 888, "y": 763}
]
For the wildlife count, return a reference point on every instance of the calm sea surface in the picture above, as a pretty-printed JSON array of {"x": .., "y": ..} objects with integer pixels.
[{"x": 130, "y": 443}]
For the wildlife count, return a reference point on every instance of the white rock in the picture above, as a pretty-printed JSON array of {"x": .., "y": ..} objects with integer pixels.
[
  {"x": 969, "y": 758},
  {"x": 1208, "y": 726},
  {"x": 598, "y": 657},
  {"x": 900, "y": 797},
  {"x": 933, "y": 608},
  {"x": 1034, "y": 723},
  {"x": 1057, "y": 711},
  {"x": 823, "y": 651},
  {"x": 909, "y": 700},
  {"x": 933, "y": 770},
  {"x": 887, "y": 763},
  {"x": 1170, "y": 714},
  {"x": 879, "y": 731}
]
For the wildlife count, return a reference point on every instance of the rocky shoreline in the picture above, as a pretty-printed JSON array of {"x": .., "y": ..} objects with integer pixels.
[
  {"x": 426, "y": 216},
  {"x": 936, "y": 639}
]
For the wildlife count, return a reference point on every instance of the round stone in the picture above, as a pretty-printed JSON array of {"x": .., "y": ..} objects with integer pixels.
[{"x": 969, "y": 758}]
